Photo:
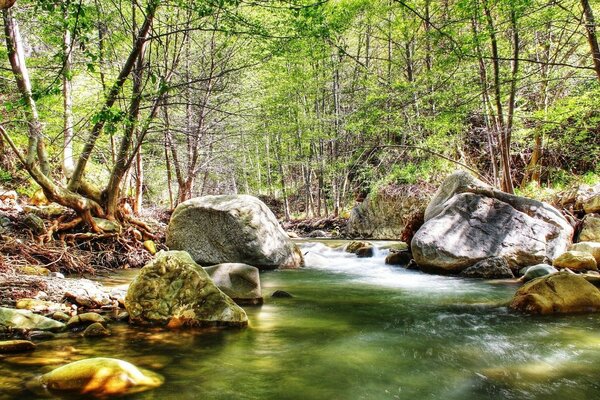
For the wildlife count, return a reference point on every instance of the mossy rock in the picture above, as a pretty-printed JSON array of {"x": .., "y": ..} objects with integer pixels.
[
  {"x": 559, "y": 293},
  {"x": 11, "y": 319},
  {"x": 173, "y": 291}
]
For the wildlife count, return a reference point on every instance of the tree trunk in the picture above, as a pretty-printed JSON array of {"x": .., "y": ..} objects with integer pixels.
[
  {"x": 140, "y": 42},
  {"x": 68, "y": 165},
  {"x": 590, "y": 27},
  {"x": 16, "y": 56}
]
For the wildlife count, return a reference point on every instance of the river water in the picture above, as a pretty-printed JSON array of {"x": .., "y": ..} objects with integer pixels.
[{"x": 355, "y": 329}]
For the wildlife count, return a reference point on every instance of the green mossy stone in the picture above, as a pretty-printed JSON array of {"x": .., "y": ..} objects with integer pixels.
[
  {"x": 11, "y": 319},
  {"x": 172, "y": 290}
]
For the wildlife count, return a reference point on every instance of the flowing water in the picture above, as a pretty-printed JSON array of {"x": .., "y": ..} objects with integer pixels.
[{"x": 355, "y": 329}]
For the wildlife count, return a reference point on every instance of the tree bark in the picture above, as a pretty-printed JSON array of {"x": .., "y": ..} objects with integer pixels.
[
  {"x": 590, "y": 27},
  {"x": 68, "y": 165}
]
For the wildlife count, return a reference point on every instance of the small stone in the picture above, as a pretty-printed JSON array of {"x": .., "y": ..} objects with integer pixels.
[
  {"x": 365, "y": 252},
  {"x": 352, "y": 247},
  {"x": 107, "y": 225},
  {"x": 591, "y": 228},
  {"x": 538, "y": 271},
  {"x": 96, "y": 330},
  {"x": 61, "y": 316},
  {"x": 592, "y": 204},
  {"x": 85, "y": 319},
  {"x": 137, "y": 235},
  {"x": 281, "y": 294},
  {"x": 96, "y": 377},
  {"x": 150, "y": 246},
  {"x": 33, "y": 270},
  {"x": 588, "y": 247},
  {"x": 576, "y": 261},
  {"x": 16, "y": 346},
  {"x": 123, "y": 316},
  {"x": 398, "y": 257}
]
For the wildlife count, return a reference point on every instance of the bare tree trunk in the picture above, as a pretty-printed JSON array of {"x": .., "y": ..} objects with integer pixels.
[
  {"x": 16, "y": 56},
  {"x": 140, "y": 42},
  {"x": 68, "y": 165},
  {"x": 506, "y": 181},
  {"x": 590, "y": 27},
  {"x": 509, "y": 188},
  {"x": 139, "y": 183},
  {"x": 485, "y": 98}
]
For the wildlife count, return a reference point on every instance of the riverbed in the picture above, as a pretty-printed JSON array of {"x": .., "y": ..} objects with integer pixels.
[{"x": 354, "y": 329}]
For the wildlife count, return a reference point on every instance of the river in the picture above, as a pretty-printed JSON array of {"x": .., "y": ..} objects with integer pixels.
[{"x": 355, "y": 329}]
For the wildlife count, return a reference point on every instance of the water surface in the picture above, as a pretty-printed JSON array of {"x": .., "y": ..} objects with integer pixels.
[{"x": 355, "y": 329}]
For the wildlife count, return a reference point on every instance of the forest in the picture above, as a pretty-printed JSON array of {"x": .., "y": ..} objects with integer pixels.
[
  {"x": 312, "y": 103},
  {"x": 299, "y": 199}
]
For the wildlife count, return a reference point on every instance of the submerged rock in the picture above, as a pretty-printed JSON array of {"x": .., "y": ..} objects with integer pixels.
[
  {"x": 85, "y": 319},
  {"x": 281, "y": 294},
  {"x": 576, "y": 261},
  {"x": 173, "y": 290},
  {"x": 467, "y": 221},
  {"x": 239, "y": 281},
  {"x": 353, "y": 247},
  {"x": 402, "y": 257},
  {"x": 16, "y": 346},
  {"x": 96, "y": 377},
  {"x": 365, "y": 252},
  {"x": 11, "y": 319},
  {"x": 563, "y": 292},
  {"x": 96, "y": 330},
  {"x": 231, "y": 229},
  {"x": 490, "y": 268}
]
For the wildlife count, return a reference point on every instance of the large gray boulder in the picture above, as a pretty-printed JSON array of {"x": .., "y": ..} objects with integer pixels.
[
  {"x": 468, "y": 221},
  {"x": 231, "y": 229},
  {"x": 239, "y": 281},
  {"x": 173, "y": 291}
]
